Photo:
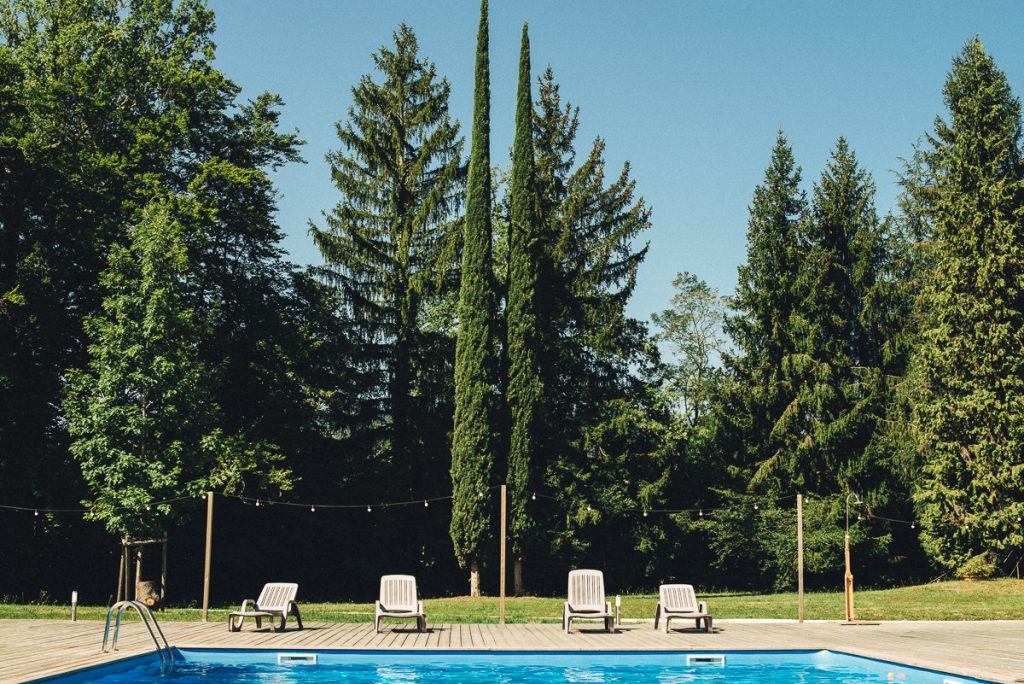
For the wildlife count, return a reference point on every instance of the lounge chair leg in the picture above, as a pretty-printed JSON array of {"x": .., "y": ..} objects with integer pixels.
[
  {"x": 376, "y": 624},
  {"x": 298, "y": 617},
  {"x": 657, "y": 615},
  {"x": 697, "y": 623},
  {"x": 259, "y": 622},
  {"x": 707, "y": 625}
]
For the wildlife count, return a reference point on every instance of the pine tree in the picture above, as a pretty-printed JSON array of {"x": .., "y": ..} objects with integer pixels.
[
  {"x": 472, "y": 438},
  {"x": 970, "y": 410},
  {"x": 390, "y": 244},
  {"x": 764, "y": 302},
  {"x": 144, "y": 424},
  {"x": 525, "y": 390}
]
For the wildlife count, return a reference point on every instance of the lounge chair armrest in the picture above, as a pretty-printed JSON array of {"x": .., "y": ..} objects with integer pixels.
[
  {"x": 292, "y": 608},
  {"x": 248, "y": 604},
  {"x": 702, "y": 606}
]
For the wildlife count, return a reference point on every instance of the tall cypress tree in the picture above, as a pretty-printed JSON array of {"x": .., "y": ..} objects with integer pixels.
[
  {"x": 762, "y": 307},
  {"x": 525, "y": 386},
  {"x": 389, "y": 243},
  {"x": 970, "y": 412},
  {"x": 472, "y": 438}
]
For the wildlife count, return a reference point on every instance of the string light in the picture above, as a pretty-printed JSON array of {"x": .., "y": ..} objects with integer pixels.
[
  {"x": 534, "y": 497},
  {"x": 369, "y": 509},
  {"x": 755, "y": 506},
  {"x": 257, "y": 503},
  {"x": 701, "y": 513},
  {"x": 645, "y": 514},
  {"x": 312, "y": 509},
  {"x": 426, "y": 504},
  {"x": 479, "y": 495},
  {"x": 37, "y": 514}
]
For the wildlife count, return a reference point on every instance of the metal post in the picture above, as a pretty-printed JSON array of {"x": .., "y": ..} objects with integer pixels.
[
  {"x": 74, "y": 606},
  {"x": 504, "y": 535},
  {"x": 800, "y": 557},
  {"x": 209, "y": 555}
]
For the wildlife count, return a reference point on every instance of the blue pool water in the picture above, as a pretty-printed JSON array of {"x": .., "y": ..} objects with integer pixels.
[{"x": 403, "y": 667}]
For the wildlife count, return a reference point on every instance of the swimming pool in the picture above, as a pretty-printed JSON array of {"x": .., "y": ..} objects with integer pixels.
[{"x": 209, "y": 666}]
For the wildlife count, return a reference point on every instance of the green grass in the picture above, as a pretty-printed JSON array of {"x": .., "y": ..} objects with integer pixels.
[{"x": 992, "y": 600}]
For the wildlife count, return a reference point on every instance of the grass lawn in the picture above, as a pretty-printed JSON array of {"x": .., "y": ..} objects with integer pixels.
[{"x": 991, "y": 600}]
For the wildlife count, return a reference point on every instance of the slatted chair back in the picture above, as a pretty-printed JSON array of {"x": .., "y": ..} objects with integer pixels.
[
  {"x": 678, "y": 598},
  {"x": 276, "y": 595},
  {"x": 586, "y": 591},
  {"x": 398, "y": 593}
]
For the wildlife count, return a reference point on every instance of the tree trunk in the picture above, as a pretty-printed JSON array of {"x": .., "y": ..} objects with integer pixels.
[
  {"x": 517, "y": 577},
  {"x": 474, "y": 579}
]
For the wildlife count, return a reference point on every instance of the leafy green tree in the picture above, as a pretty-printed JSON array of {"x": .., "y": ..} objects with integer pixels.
[
  {"x": 389, "y": 248},
  {"x": 693, "y": 330},
  {"x": 759, "y": 325},
  {"x": 473, "y": 441},
  {"x": 525, "y": 390},
  {"x": 118, "y": 99},
  {"x": 969, "y": 416},
  {"x": 141, "y": 414}
]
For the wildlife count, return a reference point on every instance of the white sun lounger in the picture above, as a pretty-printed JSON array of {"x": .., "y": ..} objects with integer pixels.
[
  {"x": 398, "y": 600},
  {"x": 679, "y": 601},
  {"x": 277, "y": 600},
  {"x": 585, "y": 600}
]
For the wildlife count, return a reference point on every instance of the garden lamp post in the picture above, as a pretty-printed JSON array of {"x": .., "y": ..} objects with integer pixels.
[{"x": 849, "y": 575}]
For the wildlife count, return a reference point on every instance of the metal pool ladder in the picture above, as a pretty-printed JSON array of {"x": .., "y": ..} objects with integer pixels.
[{"x": 163, "y": 648}]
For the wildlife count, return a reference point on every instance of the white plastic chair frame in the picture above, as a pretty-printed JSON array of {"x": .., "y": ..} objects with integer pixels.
[
  {"x": 680, "y": 601},
  {"x": 585, "y": 600},
  {"x": 398, "y": 599},
  {"x": 276, "y": 601}
]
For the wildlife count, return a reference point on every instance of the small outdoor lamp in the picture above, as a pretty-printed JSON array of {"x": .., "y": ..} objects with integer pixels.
[
  {"x": 618, "y": 609},
  {"x": 74, "y": 606},
  {"x": 849, "y": 575}
]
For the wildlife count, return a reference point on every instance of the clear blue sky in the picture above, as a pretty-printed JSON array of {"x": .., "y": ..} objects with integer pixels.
[{"x": 691, "y": 93}]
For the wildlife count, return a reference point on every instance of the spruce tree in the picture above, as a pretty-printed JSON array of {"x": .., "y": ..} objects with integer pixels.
[
  {"x": 834, "y": 370},
  {"x": 759, "y": 324},
  {"x": 970, "y": 408},
  {"x": 604, "y": 419},
  {"x": 472, "y": 438},
  {"x": 525, "y": 389},
  {"x": 389, "y": 246}
]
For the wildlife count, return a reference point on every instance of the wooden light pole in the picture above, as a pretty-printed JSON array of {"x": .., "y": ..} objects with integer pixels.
[
  {"x": 209, "y": 555},
  {"x": 504, "y": 535},
  {"x": 800, "y": 557}
]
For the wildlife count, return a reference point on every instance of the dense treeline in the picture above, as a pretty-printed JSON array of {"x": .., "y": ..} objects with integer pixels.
[{"x": 468, "y": 327}]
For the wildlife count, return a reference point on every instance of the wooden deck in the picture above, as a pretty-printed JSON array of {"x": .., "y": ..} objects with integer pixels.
[{"x": 31, "y": 649}]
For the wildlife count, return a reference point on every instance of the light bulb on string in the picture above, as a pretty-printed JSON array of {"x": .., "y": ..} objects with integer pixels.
[
  {"x": 701, "y": 513},
  {"x": 312, "y": 509},
  {"x": 257, "y": 503},
  {"x": 37, "y": 514},
  {"x": 479, "y": 495},
  {"x": 645, "y": 514},
  {"x": 426, "y": 504},
  {"x": 534, "y": 497},
  {"x": 911, "y": 525},
  {"x": 369, "y": 509},
  {"x": 756, "y": 506},
  {"x": 588, "y": 507}
]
